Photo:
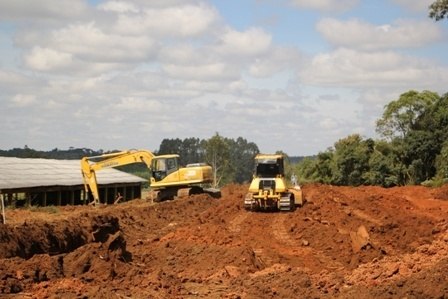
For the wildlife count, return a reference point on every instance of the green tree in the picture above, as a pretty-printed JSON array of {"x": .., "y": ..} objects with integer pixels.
[
  {"x": 304, "y": 169},
  {"x": 190, "y": 150},
  {"x": 242, "y": 155},
  {"x": 351, "y": 157},
  {"x": 170, "y": 146},
  {"x": 420, "y": 151},
  {"x": 382, "y": 166},
  {"x": 217, "y": 154},
  {"x": 438, "y": 9},
  {"x": 400, "y": 116},
  {"x": 442, "y": 163},
  {"x": 323, "y": 168}
]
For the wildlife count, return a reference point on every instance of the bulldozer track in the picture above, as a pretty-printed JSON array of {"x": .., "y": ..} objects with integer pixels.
[
  {"x": 280, "y": 232},
  {"x": 235, "y": 223},
  {"x": 262, "y": 257},
  {"x": 362, "y": 215},
  {"x": 203, "y": 248}
]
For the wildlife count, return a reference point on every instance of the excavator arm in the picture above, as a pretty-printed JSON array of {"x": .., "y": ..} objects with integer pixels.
[{"x": 89, "y": 167}]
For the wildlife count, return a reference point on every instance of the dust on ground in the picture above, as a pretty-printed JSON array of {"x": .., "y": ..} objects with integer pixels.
[{"x": 345, "y": 242}]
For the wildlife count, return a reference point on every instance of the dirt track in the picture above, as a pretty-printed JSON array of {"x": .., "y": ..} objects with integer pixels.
[{"x": 365, "y": 242}]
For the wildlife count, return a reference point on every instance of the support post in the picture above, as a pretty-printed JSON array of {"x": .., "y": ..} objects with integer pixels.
[{"x": 3, "y": 209}]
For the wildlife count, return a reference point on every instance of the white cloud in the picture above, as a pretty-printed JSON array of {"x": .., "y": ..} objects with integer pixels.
[
  {"x": 415, "y": 5},
  {"x": 44, "y": 59},
  {"x": 89, "y": 42},
  {"x": 328, "y": 123},
  {"x": 86, "y": 48},
  {"x": 42, "y": 9},
  {"x": 350, "y": 68},
  {"x": 118, "y": 6},
  {"x": 326, "y": 5},
  {"x": 212, "y": 71},
  {"x": 277, "y": 60},
  {"x": 23, "y": 100},
  {"x": 358, "y": 34},
  {"x": 11, "y": 81},
  {"x": 178, "y": 21},
  {"x": 251, "y": 42},
  {"x": 138, "y": 65},
  {"x": 140, "y": 105}
]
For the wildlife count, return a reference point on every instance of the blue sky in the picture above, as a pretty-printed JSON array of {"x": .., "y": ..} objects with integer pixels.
[{"x": 290, "y": 75}]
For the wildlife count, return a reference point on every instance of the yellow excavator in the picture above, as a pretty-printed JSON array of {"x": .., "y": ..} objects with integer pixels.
[
  {"x": 167, "y": 178},
  {"x": 269, "y": 189}
]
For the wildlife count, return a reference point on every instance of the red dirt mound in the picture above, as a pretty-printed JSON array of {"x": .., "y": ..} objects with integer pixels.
[{"x": 365, "y": 242}]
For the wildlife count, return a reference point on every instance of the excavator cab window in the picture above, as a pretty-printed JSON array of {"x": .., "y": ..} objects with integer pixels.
[
  {"x": 171, "y": 165},
  {"x": 162, "y": 167}
]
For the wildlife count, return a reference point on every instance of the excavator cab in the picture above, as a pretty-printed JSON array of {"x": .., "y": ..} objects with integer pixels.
[{"x": 163, "y": 166}]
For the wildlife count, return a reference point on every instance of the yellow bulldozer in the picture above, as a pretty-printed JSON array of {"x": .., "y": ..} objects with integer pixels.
[
  {"x": 167, "y": 181},
  {"x": 269, "y": 190}
]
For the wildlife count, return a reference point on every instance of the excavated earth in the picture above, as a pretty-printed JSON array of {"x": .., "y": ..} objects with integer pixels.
[{"x": 365, "y": 242}]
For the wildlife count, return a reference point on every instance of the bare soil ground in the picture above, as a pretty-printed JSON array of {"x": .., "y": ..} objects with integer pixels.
[{"x": 365, "y": 242}]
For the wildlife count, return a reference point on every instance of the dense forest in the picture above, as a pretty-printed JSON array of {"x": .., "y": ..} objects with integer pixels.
[{"x": 413, "y": 150}]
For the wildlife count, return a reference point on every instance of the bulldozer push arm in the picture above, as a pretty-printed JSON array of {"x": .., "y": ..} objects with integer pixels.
[{"x": 89, "y": 167}]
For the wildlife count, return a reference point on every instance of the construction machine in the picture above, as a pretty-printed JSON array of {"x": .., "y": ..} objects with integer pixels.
[
  {"x": 167, "y": 178},
  {"x": 269, "y": 189}
]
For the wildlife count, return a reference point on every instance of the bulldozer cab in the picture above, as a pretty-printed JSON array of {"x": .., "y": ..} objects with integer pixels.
[
  {"x": 269, "y": 166},
  {"x": 161, "y": 166}
]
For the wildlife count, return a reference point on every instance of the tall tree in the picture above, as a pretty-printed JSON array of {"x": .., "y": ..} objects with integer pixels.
[
  {"x": 170, "y": 146},
  {"x": 351, "y": 157},
  {"x": 400, "y": 116},
  {"x": 242, "y": 155},
  {"x": 442, "y": 163},
  {"x": 324, "y": 168},
  {"x": 217, "y": 154},
  {"x": 420, "y": 151},
  {"x": 383, "y": 170},
  {"x": 438, "y": 9}
]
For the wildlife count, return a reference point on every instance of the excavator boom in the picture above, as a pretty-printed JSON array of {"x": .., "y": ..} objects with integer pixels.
[
  {"x": 89, "y": 168},
  {"x": 167, "y": 179}
]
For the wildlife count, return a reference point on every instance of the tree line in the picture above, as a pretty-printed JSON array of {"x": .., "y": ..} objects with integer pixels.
[
  {"x": 413, "y": 148},
  {"x": 232, "y": 160}
]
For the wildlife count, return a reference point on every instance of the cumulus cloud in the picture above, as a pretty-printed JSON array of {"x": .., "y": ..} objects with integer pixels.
[
  {"x": 87, "y": 47},
  {"x": 415, "y": 5},
  {"x": 279, "y": 59},
  {"x": 118, "y": 7},
  {"x": 358, "y": 34},
  {"x": 139, "y": 105},
  {"x": 350, "y": 68},
  {"x": 137, "y": 65},
  {"x": 326, "y": 5},
  {"x": 253, "y": 41},
  {"x": 212, "y": 71},
  {"x": 45, "y": 59},
  {"x": 177, "y": 21},
  {"x": 89, "y": 42},
  {"x": 42, "y": 10},
  {"x": 23, "y": 100}
]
